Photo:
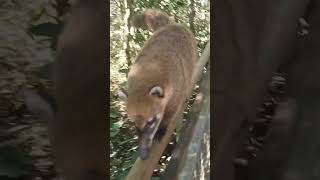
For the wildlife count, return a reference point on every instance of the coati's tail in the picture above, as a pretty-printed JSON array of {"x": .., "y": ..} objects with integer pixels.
[{"x": 151, "y": 19}]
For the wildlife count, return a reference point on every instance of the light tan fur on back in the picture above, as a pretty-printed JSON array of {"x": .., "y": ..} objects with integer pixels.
[{"x": 167, "y": 60}]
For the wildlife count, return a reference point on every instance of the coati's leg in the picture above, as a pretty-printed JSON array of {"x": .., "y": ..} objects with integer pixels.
[
  {"x": 162, "y": 129},
  {"x": 168, "y": 115}
]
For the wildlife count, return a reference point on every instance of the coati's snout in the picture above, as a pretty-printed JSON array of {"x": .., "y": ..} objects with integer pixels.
[
  {"x": 146, "y": 111},
  {"x": 146, "y": 130}
]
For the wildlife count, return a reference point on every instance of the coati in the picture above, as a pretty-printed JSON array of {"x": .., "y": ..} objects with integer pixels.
[
  {"x": 160, "y": 78},
  {"x": 78, "y": 123}
]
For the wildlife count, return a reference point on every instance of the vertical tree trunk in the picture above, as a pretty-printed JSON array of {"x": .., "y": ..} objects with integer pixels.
[
  {"x": 192, "y": 14},
  {"x": 128, "y": 15}
]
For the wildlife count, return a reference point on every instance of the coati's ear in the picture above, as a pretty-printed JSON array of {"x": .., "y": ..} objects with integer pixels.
[
  {"x": 122, "y": 95},
  {"x": 156, "y": 91}
]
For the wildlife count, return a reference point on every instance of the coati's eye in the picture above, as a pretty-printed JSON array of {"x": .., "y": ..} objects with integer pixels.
[{"x": 156, "y": 91}]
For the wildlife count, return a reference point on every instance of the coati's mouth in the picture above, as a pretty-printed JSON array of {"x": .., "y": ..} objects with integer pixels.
[{"x": 146, "y": 136}]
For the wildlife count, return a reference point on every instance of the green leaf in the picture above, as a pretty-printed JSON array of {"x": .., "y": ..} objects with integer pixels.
[
  {"x": 114, "y": 113},
  {"x": 117, "y": 125},
  {"x": 180, "y": 3},
  {"x": 115, "y": 128},
  {"x": 123, "y": 84},
  {"x": 114, "y": 133}
]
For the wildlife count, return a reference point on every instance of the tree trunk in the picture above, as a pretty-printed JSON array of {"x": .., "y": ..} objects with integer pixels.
[
  {"x": 192, "y": 14},
  {"x": 128, "y": 15}
]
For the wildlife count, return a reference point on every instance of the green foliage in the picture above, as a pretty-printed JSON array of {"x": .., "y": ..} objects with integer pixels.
[
  {"x": 114, "y": 124},
  {"x": 20, "y": 45},
  {"x": 125, "y": 44}
]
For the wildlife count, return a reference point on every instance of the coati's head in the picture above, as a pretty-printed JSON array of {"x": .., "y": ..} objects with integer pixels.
[{"x": 146, "y": 102}]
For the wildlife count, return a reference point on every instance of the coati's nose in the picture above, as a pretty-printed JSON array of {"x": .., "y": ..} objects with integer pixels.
[{"x": 144, "y": 146}]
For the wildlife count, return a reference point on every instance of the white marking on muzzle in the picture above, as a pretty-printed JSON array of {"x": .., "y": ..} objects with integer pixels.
[{"x": 158, "y": 116}]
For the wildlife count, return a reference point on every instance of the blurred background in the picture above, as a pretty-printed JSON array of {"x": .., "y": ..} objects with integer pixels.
[{"x": 29, "y": 31}]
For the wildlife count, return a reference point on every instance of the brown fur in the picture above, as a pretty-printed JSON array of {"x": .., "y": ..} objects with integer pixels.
[{"x": 166, "y": 60}]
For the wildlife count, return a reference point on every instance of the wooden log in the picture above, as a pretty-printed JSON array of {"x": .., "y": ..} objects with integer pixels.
[
  {"x": 197, "y": 160},
  {"x": 186, "y": 154}
]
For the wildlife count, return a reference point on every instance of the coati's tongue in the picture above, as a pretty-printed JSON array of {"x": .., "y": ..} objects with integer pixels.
[
  {"x": 144, "y": 147},
  {"x": 144, "y": 153}
]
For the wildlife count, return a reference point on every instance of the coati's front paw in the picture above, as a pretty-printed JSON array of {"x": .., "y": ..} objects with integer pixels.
[{"x": 160, "y": 133}]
